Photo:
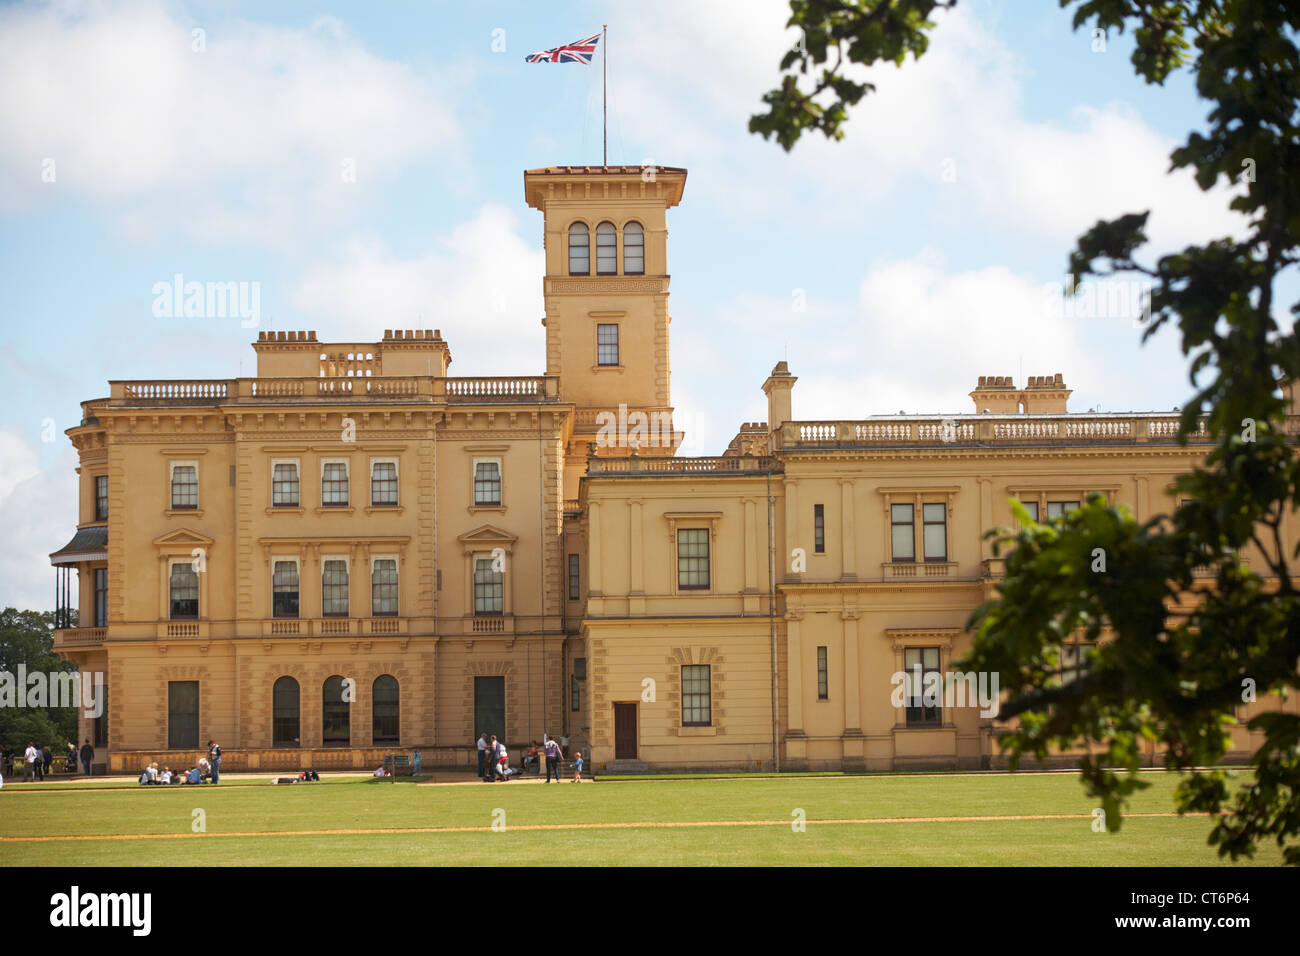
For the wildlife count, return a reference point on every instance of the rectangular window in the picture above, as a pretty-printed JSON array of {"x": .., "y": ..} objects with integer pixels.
[
  {"x": 334, "y": 484},
  {"x": 902, "y": 532},
  {"x": 823, "y": 683},
  {"x": 101, "y": 597},
  {"x": 334, "y": 589},
  {"x": 284, "y": 589},
  {"x": 101, "y": 497},
  {"x": 606, "y": 250},
  {"x": 575, "y": 583},
  {"x": 487, "y": 483},
  {"x": 184, "y": 591},
  {"x": 693, "y": 559},
  {"x": 918, "y": 662},
  {"x": 182, "y": 715},
  {"x": 697, "y": 699},
  {"x": 383, "y": 483},
  {"x": 575, "y": 693},
  {"x": 284, "y": 485},
  {"x": 185, "y": 486},
  {"x": 101, "y": 722},
  {"x": 607, "y": 344},
  {"x": 489, "y": 588},
  {"x": 934, "y": 531},
  {"x": 1057, "y": 508},
  {"x": 1074, "y": 661},
  {"x": 1032, "y": 508},
  {"x": 383, "y": 588},
  {"x": 819, "y": 529}
]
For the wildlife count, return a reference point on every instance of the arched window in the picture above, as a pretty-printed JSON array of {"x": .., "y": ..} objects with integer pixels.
[
  {"x": 633, "y": 249},
  {"x": 335, "y": 721},
  {"x": 606, "y": 249},
  {"x": 284, "y": 713},
  {"x": 385, "y": 697},
  {"x": 579, "y": 250}
]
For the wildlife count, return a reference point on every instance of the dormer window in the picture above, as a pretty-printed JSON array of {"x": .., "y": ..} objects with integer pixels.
[
  {"x": 633, "y": 249},
  {"x": 579, "y": 250},
  {"x": 606, "y": 249}
]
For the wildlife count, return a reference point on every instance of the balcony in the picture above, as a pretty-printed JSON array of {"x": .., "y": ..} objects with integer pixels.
[
  {"x": 721, "y": 465},
  {"x": 979, "y": 430},
  {"x": 79, "y": 638},
  {"x": 914, "y": 570},
  {"x": 212, "y": 393},
  {"x": 335, "y": 626}
]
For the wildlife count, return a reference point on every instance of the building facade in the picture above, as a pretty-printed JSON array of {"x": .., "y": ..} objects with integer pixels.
[{"x": 353, "y": 552}]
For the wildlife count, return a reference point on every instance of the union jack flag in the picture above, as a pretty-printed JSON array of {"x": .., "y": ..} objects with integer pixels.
[{"x": 579, "y": 51}]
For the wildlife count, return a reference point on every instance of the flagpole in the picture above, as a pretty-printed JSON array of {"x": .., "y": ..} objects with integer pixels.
[{"x": 604, "y": 97}]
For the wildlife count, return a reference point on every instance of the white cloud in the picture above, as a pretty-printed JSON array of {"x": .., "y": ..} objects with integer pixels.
[
  {"x": 245, "y": 139},
  {"x": 38, "y": 510},
  {"x": 480, "y": 284}
]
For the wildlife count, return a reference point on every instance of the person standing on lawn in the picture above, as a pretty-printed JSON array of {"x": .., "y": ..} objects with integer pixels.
[
  {"x": 87, "y": 755},
  {"x": 482, "y": 755},
  {"x": 214, "y": 758},
  {"x": 29, "y": 755},
  {"x": 577, "y": 767},
  {"x": 553, "y": 757}
]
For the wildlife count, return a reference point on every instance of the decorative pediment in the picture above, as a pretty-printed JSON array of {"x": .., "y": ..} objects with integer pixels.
[
  {"x": 183, "y": 538},
  {"x": 486, "y": 537}
]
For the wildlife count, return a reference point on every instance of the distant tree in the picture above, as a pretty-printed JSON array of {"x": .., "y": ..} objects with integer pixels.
[
  {"x": 27, "y": 637},
  {"x": 1176, "y": 679}
]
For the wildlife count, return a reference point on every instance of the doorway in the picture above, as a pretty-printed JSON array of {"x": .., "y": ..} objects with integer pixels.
[
  {"x": 625, "y": 732},
  {"x": 490, "y": 707}
]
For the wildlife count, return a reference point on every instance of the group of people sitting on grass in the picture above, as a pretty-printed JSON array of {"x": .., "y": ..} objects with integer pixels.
[{"x": 198, "y": 774}]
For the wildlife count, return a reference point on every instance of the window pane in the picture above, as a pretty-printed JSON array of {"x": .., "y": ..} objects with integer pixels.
[
  {"x": 606, "y": 249},
  {"x": 633, "y": 249},
  {"x": 696, "y": 696},
  {"x": 285, "y": 714},
  {"x": 335, "y": 713},
  {"x": 607, "y": 344},
  {"x": 385, "y": 710},
  {"x": 184, "y": 588},
  {"x": 819, "y": 529},
  {"x": 101, "y": 597},
  {"x": 489, "y": 588},
  {"x": 185, "y": 486},
  {"x": 284, "y": 486},
  {"x": 693, "y": 558},
  {"x": 182, "y": 714},
  {"x": 904, "y": 547},
  {"x": 334, "y": 589},
  {"x": 334, "y": 484},
  {"x": 383, "y": 587},
  {"x": 1032, "y": 508},
  {"x": 579, "y": 250},
  {"x": 823, "y": 688},
  {"x": 101, "y": 497},
  {"x": 383, "y": 483},
  {"x": 918, "y": 662},
  {"x": 284, "y": 589},
  {"x": 487, "y": 483},
  {"x": 935, "y": 531},
  {"x": 575, "y": 583}
]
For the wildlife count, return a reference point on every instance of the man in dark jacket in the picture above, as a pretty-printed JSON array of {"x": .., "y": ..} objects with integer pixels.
[
  {"x": 87, "y": 755},
  {"x": 214, "y": 758}
]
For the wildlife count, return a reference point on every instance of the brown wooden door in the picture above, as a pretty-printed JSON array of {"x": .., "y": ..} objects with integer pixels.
[{"x": 625, "y": 731}]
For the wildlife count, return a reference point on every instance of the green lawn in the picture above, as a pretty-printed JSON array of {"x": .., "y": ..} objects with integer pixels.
[{"x": 359, "y": 803}]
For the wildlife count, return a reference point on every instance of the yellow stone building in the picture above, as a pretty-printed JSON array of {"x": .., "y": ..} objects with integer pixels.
[{"x": 353, "y": 552}]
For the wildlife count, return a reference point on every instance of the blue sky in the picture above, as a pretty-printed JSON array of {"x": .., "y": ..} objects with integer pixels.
[{"x": 921, "y": 244}]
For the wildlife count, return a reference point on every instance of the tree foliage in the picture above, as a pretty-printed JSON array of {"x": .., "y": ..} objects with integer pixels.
[
  {"x": 1186, "y": 628},
  {"x": 27, "y": 638}
]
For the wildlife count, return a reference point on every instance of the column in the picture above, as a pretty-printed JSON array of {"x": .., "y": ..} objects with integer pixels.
[
  {"x": 636, "y": 558},
  {"x": 847, "y": 532},
  {"x": 594, "y": 582},
  {"x": 794, "y": 666},
  {"x": 852, "y": 694},
  {"x": 791, "y": 530}
]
